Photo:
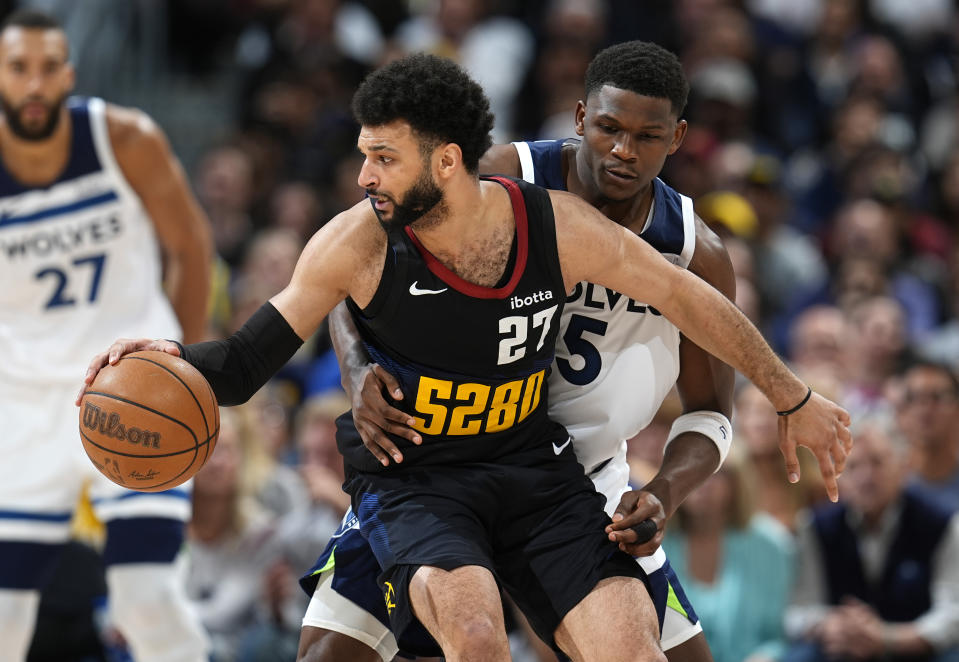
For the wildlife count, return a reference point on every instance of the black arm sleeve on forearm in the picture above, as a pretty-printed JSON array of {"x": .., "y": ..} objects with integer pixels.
[{"x": 238, "y": 366}]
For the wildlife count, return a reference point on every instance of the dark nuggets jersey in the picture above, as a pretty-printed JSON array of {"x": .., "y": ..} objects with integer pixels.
[{"x": 471, "y": 360}]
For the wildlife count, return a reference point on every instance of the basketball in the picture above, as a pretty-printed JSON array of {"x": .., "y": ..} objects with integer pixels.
[{"x": 149, "y": 422}]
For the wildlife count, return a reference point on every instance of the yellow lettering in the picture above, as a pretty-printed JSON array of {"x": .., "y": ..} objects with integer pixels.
[
  {"x": 426, "y": 391},
  {"x": 478, "y": 396},
  {"x": 502, "y": 410},
  {"x": 534, "y": 385}
]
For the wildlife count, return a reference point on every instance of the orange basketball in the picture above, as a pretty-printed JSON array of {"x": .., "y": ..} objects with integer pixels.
[{"x": 149, "y": 422}]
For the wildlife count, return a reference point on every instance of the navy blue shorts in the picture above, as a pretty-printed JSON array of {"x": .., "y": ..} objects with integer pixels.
[{"x": 533, "y": 519}]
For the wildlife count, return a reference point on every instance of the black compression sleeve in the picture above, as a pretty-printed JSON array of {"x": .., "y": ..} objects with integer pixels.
[{"x": 238, "y": 366}]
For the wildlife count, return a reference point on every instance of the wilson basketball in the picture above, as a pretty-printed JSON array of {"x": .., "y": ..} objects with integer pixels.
[{"x": 149, "y": 422}]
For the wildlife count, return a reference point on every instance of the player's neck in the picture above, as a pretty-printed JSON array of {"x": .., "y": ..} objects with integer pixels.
[
  {"x": 461, "y": 216},
  {"x": 36, "y": 163}
]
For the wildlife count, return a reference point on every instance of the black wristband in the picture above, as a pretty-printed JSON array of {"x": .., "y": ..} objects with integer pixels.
[{"x": 799, "y": 406}]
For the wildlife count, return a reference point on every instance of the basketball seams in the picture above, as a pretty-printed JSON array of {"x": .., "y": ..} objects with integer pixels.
[
  {"x": 195, "y": 449},
  {"x": 159, "y": 486},
  {"x": 206, "y": 424},
  {"x": 142, "y": 393},
  {"x": 110, "y": 396}
]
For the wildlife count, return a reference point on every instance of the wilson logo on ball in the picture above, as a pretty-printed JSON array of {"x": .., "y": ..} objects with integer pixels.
[{"x": 108, "y": 423}]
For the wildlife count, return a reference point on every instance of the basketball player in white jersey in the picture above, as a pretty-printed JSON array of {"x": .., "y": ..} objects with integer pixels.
[
  {"x": 91, "y": 201},
  {"x": 616, "y": 359}
]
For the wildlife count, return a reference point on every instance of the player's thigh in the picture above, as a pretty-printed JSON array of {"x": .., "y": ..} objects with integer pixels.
[
  {"x": 695, "y": 649},
  {"x": 616, "y": 621},
  {"x": 42, "y": 471},
  {"x": 41, "y": 476},
  {"x": 320, "y": 645},
  {"x": 337, "y": 628}
]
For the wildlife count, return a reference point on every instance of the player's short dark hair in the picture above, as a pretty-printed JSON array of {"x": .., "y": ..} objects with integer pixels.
[
  {"x": 441, "y": 103},
  {"x": 641, "y": 67},
  {"x": 30, "y": 19}
]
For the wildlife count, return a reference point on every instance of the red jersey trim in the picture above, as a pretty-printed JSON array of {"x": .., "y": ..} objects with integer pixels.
[{"x": 522, "y": 251}]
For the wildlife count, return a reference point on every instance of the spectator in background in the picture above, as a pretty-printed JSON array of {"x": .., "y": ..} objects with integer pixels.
[
  {"x": 230, "y": 544},
  {"x": 878, "y": 574},
  {"x": 224, "y": 183},
  {"x": 929, "y": 419},
  {"x": 303, "y": 531},
  {"x": 868, "y": 260},
  {"x": 573, "y": 31},
  {"x": 875, "y": 350},
  {"x": 262, "y": 427},
  {"x": 786, "y": 259},
  {"x": 296, "y": 206},
  {"x": 269, "y": 259},
  {"x": 722, "y": 97},
  {"x": 495, "y": 50},
  {"x": 736, "y": 565},
  {"x": 816, "y": 342},
  {"x": 755, "y": 423}
]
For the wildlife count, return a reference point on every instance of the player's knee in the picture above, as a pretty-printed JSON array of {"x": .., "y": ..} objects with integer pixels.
[
  {"x": 474, "y": 636},
  {"x": 319, "y": 645}
]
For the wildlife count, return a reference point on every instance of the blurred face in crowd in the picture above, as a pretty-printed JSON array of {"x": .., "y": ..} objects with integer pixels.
[
  {"x": 316, "y": 443},
  {"x": 225, "y": 179},
  {"x": 35, "y": 79},
  {"x": 711, "y": 502},
  {"x": 817, "y": 337},
  {"x": 930, "y": 407},
  {"x": 221, "y": 473},
  {"x": 874, "y": 473},
  {"x": 877, "y": 332},
  {"x": 756, "y": 423},
  {"x": 396, "y": 175},
  {"x": 626, "y": 139}
]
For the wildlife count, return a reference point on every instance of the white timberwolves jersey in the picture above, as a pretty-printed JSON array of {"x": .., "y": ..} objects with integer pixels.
[
  {"x": 79, "y": 262},
  {"x": 616, "y": 359}
]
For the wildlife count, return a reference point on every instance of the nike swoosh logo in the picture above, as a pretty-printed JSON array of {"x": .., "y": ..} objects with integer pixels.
[
  {"x": 416, "y": 291},
  {"x": 559, "y": 449}
]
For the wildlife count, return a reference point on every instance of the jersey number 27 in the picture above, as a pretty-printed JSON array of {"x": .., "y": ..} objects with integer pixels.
[{"x": 63, "y": 294}]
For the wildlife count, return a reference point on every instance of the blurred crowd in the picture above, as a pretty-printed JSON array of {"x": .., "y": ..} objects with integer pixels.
[{"x": 823, "y": 147}]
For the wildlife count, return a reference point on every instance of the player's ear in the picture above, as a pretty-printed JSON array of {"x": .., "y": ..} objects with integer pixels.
[
  {"x": 449, "y": 158},
  {"x": 679, "y": 135},
  {"x": 580, "y": 118}
]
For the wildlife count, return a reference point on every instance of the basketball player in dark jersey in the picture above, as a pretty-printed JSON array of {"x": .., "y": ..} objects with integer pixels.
[
  {"x": 508, "y": 504},
  {"x": 630, "y": 122}
]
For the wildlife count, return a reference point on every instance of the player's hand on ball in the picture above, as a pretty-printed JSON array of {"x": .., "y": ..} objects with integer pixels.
[
  {"x": 635, "y": 507},
  {"x": 118, "y": 349},
  {"x": 375, "y": 417},
  {"x": 822, "y": 426}
]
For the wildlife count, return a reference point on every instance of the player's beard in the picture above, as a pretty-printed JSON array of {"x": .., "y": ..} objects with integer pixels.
[
  {"x": 419, "y": 200},
  {"x": 12, "y": 113}
]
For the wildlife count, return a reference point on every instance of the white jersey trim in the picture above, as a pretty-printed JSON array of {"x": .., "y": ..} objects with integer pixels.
[
  {"x": 689, "y": 232},
  {"x": 526, "y": 162},
  {"x": 97, "y": 108}
]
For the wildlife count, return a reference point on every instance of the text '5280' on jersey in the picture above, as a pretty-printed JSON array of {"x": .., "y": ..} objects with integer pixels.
[{"x": 471, "y": 360}]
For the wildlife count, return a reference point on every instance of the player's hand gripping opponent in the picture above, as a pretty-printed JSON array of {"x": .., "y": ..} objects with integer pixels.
[{"x": 374, "y": 416}]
